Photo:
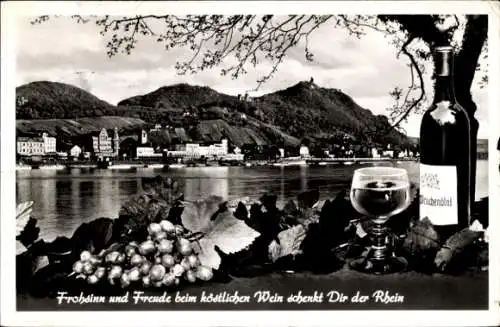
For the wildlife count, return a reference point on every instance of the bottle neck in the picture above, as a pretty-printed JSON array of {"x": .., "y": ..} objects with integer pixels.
[
  {"x": 443, "y": 69},
  {"x": 444, "y": 89}
]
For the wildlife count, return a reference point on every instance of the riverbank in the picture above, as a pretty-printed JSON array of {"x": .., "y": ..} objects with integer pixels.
[{"x": 249, "y": 163}]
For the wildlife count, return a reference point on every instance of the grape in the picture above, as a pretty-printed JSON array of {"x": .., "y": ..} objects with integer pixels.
[
  {"x": 168, "y": 279},
  {"x": 179, "y": 230},
  {"x": 112, "y": 256},
  {"x": 92, "y": 279},
  {"x": 146, "y": 281},
  {"x": 100, "y": 272},
  {"x": 161, "y": 235},
  {"x": 190, "y": 276},
  {"x": 193, "y": 261},
  {"x": 167, "y": 226},
  {"x": 88, "y": 268},
  {"x": 130, "y": 251},
  {"x": 124, "y": 280},
  {"x": 167, "y": 260},
  {"x": 85, "y": 256},
  {"x": 115, "y": 272},
  {"x": 147, "y": 247},
  {"x": 163, "y": 258},
  {"x": 145, "y": 267},
  {"x": 185, "y": 264},
  {"x": 136, "y": 260},
  {"x": 165, "y": 246},
  {"x": 157, "y": 272},
  {"x": 134, "y": 274},
  {"x": 204, "y": 273},
  {"x": 78, "y": 267},
  {"x": 94, "y": 260},
  {"x": 121, "y": 258},
  {"x": 184, "y": 246},
  {"x": 178, "y": 270},
  {"x": 154, "y": 228}
]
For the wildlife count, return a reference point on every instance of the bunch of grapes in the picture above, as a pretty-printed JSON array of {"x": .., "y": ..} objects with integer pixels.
[{"x": 166, "y": 258}]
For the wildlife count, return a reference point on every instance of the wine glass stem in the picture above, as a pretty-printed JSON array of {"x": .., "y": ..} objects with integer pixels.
[{"x": 379, "y": 245}]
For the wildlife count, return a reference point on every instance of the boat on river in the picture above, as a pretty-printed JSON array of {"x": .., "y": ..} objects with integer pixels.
[
  {"x": 52, "y": 167},
  {"x": 177, "y": 165},
  {"x": 286, "y": 163}
]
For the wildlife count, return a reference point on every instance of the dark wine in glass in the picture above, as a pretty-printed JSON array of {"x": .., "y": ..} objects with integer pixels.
[{"x": 380, "y": 193}]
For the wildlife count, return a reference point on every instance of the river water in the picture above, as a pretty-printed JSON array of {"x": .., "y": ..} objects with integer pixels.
[{"x": 64, "y": 199}]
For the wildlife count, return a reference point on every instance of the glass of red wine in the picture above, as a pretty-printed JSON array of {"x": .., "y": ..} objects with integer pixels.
[{"x": 380, "y": 193}]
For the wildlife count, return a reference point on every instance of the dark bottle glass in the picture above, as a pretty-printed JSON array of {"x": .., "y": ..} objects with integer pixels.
[{"x": 445, "y": 159}]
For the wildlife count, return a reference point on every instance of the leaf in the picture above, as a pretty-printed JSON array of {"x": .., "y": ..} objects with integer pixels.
[
  {"x": 40, "y": 262},
  {"x": 23, "y": 214},
  {"x": 289, "y": 242},
  {"x": 153, "y": 203},
  {"x": 220, "y": 228},
  {"x": 454, "y": 246}
]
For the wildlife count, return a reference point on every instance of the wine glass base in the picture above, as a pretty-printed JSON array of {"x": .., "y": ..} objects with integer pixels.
[{"x": 389, "y": 265}]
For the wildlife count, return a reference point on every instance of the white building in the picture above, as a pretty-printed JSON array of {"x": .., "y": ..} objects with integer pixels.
[
  {"x": 388, "y": 154},
  {"x": 214, "y": 150},
  {"x": 304, "y": 152},
  {"x": 29, "y": 146},
  {"x": 144, "y": 136},
  {"x": 147, "y": 152},
  {"x": 375, "y": 153},
  {"x": 75, "y": 151},
  {"x": 49, "y": 143}
]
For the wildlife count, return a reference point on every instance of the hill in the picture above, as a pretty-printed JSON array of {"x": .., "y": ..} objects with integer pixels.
[
  {"x": 45, "y": 99},
  {"x": 302, "y": 110},
  {"x": 38, "y": 100},
  {"x": 175, "y": 96}
]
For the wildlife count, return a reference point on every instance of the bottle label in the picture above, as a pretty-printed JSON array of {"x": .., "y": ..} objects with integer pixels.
[{"x": 438, "y": 194}]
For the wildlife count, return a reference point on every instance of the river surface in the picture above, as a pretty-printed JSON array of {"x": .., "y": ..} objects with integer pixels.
[{"x": 66, "y": 198}]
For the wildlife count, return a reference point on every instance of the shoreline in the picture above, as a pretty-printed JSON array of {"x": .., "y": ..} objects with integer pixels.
[{"x": 126, "y": 165}]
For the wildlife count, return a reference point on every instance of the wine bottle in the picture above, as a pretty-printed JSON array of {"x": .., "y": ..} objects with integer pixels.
[{"x": 445, "y": 159}]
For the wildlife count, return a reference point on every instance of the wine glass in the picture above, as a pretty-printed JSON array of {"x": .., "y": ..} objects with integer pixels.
[{"x": 380, "y": 193}]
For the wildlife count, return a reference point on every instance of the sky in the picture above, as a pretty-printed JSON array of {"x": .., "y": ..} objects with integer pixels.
[{"x": 366, "y": 69}]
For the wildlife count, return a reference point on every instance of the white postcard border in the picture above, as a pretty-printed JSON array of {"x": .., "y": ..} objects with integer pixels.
[{"x": 10, "y": 317}]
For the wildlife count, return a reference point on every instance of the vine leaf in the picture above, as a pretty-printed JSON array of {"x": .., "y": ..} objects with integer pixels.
[
  {"x": 289, "y": 242},
  {"x": 23, "y": 214},
  {"x": 220, "y": 229}
]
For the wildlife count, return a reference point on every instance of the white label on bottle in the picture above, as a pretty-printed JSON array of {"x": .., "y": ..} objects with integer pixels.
[{"x": 438, "y": 194}]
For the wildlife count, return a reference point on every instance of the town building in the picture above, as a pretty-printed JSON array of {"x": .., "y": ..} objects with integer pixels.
[
  {"x": 49, "y": 144},
  {"x": 194, "y": 150},
  {"x": 75, "y": 151},
  {"x": 144, "y": 134},
  {"x": 304, "y": 152},
  {"x": 30, "y": 146},
  {"x": 104, "y": 145},
  {"x": 147, "y": 152}
]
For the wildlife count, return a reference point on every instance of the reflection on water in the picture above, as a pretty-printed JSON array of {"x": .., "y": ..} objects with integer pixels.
[{"x": 65, "y": 199}]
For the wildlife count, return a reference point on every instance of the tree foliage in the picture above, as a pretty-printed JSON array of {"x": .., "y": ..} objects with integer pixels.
[{"x": 236, "y": 43}]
